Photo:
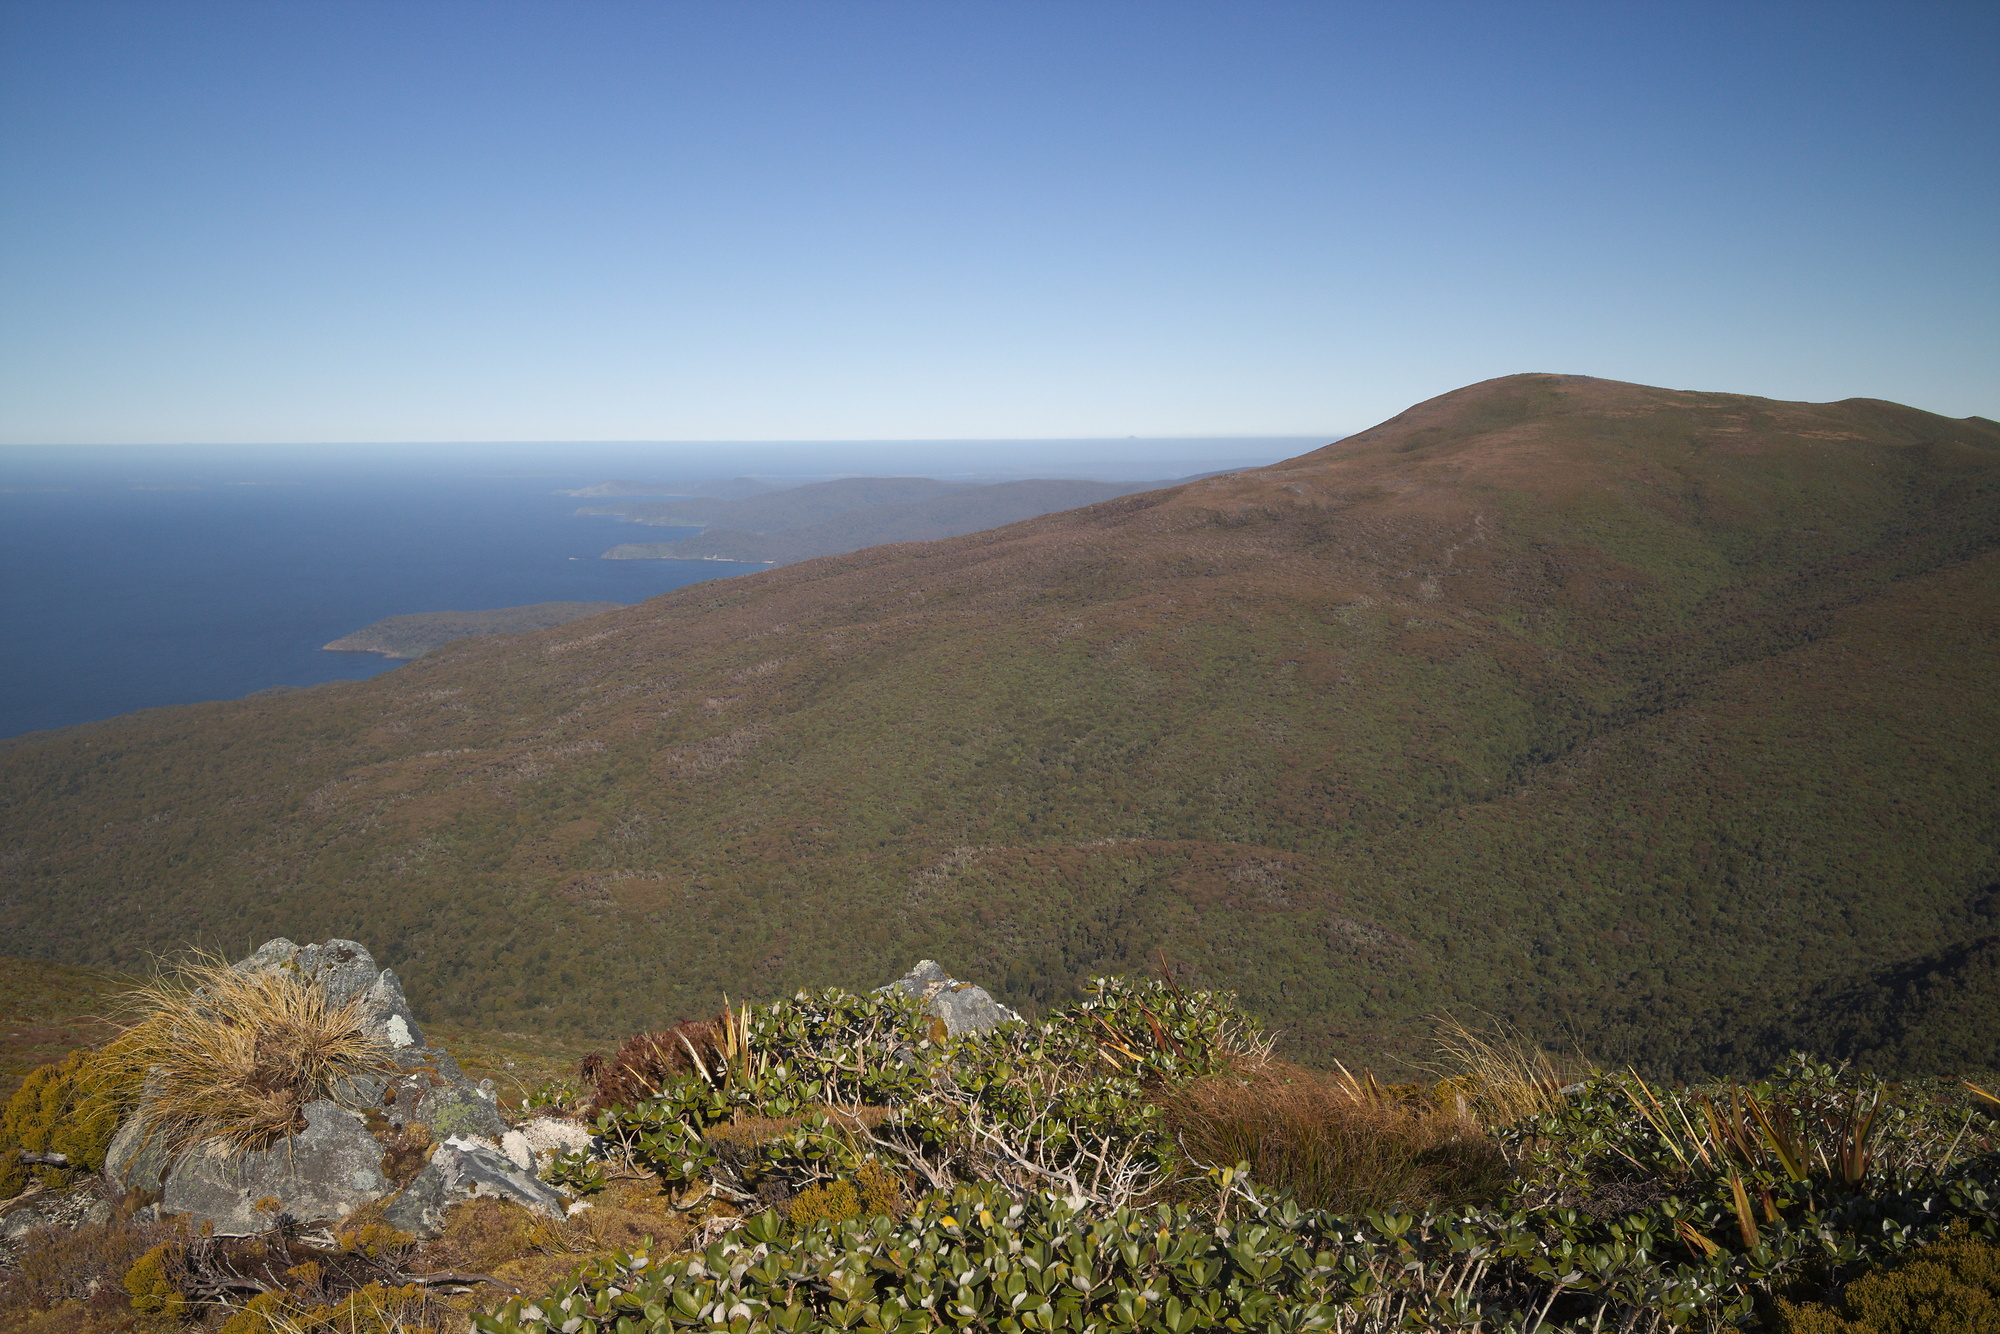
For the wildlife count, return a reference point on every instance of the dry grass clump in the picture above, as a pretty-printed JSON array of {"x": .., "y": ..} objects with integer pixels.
[
  {"x": 1495, "y": 1073},
  {"x": 233, "y": 1057},
  {"x": 1334, "y": 1142}
]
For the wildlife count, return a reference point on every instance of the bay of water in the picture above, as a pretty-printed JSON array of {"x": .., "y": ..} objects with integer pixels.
[
  {"x": 115, "y": 596},
  {"x": 138, "y": 576}
]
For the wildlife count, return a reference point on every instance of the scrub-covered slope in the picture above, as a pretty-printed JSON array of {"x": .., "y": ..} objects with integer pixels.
[{"x": 1636, "y": 715}]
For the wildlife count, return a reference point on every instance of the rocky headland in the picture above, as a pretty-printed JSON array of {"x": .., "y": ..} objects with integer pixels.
[{"x": 416, "y": 634}]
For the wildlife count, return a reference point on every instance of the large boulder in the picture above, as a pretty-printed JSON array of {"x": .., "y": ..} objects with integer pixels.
[
  {"x": 963, "y": 1007},
  {"x": 345, "y": 969},
  {"x": 425, "y": 1086},
  {"x": 322, "y": 1173},
  {"x": 464, "y": 1170},
  {"x": 135, "y": 1159}
]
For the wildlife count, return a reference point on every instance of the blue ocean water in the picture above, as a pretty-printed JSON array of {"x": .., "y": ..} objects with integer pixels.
[
  {"x": 139, "y": 576},
  {"x": 122, "y": 592}
]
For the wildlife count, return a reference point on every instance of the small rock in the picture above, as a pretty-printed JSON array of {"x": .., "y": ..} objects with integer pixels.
[
  {"x": 460, "y": 1109},
  {"x": 326, "y": 1171},
  {"x": 461, "y": 1170},
  {"x": 963, "y": 1007}
]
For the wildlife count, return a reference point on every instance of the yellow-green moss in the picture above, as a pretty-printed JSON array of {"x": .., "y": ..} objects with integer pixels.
[
  {"x": 71, "y": 1107},
  {"x": 1948, "y": 1287},
  {"x": 881, "y": 1192},
  {"x": 834, "y": 1202},
  {"x": 150, "y": 1280},
  {"x": 874, "y": 1190},
  {"x": 258, "y": 1315},
  {"x": 372, "y": 1309},
  {"x": 375, "y": 1240}
]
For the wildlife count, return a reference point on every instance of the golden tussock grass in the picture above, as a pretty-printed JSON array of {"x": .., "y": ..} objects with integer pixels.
[
  {"x": 1334, "y": 1141},
  {"x": 1496, "y": 1073},
  {"x": 232, "y": 1058}
]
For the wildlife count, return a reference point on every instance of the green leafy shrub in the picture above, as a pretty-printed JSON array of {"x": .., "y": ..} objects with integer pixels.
[
  {"x": 832, "y": 1081},
  {"x": 556, "y": 1097},
  {"x": 71, "y": 1107},
  {"x": 579, "y": 1170},
  {"x": 1630, "y": 1206}
]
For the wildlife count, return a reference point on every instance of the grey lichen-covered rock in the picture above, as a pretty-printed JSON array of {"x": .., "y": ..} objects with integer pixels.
[
  {"x": 135, "y": 1160},
  {"x": 75, "y": 1206},
  {"x": 963, "y": 1007},
  {"x": 460, "y": 1170},
  {"x": 425, "y": 1086},
  {"x": 458, "y": 1109},
  {"x": 428, "y": 1087},
  {"x": 326, "y": 1171},
  {"x": 347, "y": 970}
]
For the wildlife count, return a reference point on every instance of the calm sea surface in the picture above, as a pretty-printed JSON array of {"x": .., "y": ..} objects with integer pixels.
[
  {"x": 138, "y": 576},
  {"x": 115, "y": 596}
]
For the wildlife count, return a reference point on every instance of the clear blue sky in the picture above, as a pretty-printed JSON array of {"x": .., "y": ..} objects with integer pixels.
[{"x": 297, "y": 221}]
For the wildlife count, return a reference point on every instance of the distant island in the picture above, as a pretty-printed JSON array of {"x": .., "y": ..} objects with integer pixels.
[
  {"x": 729, "y": 488},
  {"x": 417, "y": 634}
]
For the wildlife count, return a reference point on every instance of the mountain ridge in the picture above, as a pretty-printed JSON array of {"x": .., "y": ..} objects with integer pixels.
[{"x": 1605, "y": 707}]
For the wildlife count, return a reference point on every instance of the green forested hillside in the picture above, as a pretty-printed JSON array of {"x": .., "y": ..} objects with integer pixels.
[{"x": 1660, "y": 722}]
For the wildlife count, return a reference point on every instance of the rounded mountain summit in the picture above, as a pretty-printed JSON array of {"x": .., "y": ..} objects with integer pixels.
[{"x": 1659, "y": 721}]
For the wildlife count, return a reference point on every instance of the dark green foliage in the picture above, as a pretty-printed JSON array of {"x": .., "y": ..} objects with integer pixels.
[
  {"x": 1613, "y": 1223},
  {"x": 579, "y": 1171},
  {"x": 415, "y": 635},
  {"x": 835, "y": 1085}
]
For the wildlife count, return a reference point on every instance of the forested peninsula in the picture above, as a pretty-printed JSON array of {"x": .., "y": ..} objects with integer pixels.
[{"x": 416, "y": 634}]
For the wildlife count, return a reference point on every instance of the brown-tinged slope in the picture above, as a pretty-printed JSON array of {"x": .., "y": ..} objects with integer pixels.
[{"x": 1637, "y": 715}]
